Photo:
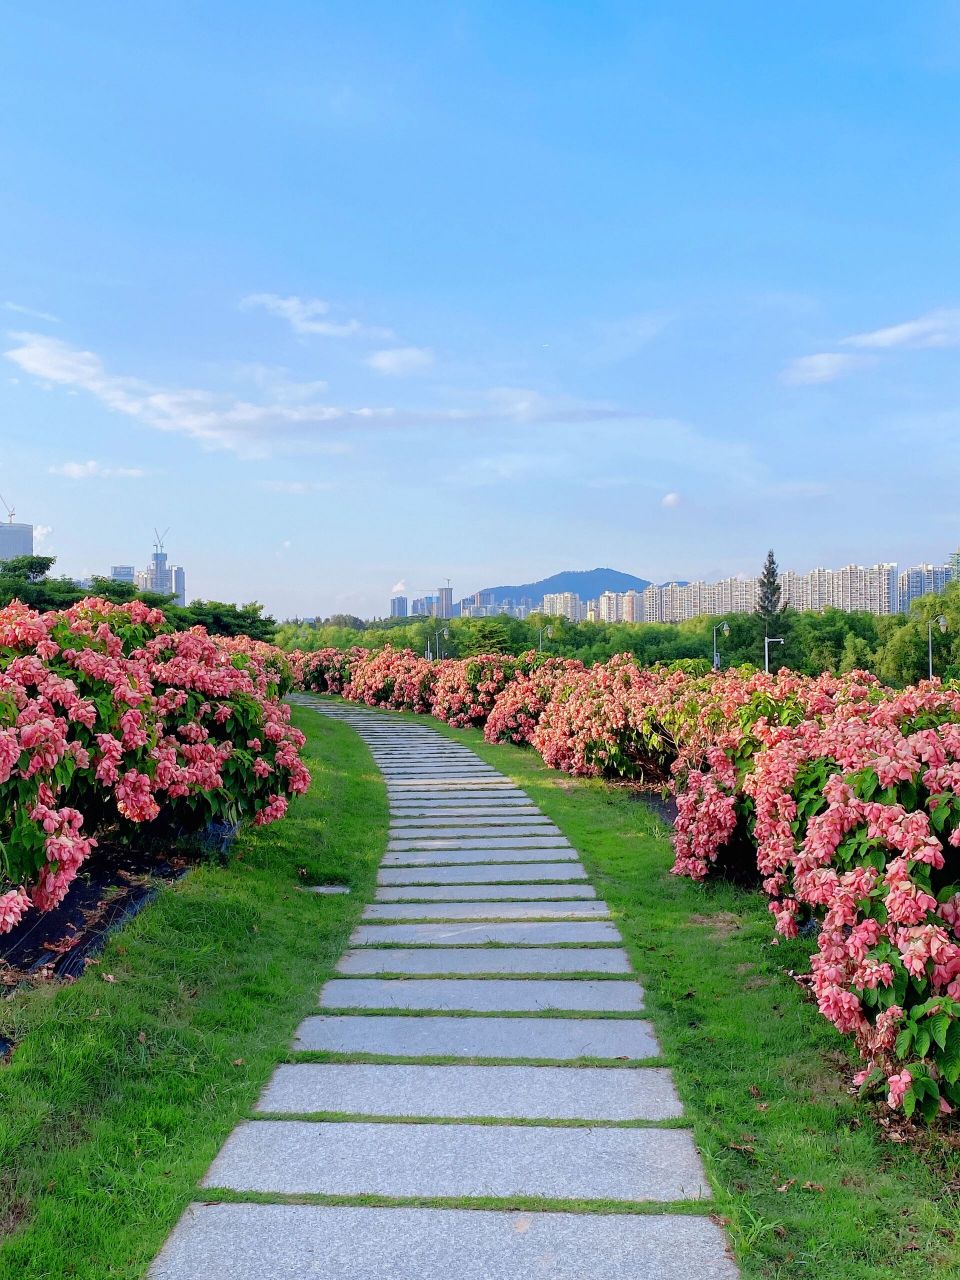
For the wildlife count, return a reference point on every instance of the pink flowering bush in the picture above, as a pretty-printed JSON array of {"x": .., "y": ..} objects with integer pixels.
[
  {"x": 609, "y": 720},
  {"x": 517, "y": 708},
  {"x": 109, "y": 721},
  {"x": 465, "y": 689},
  {"x": 393, "y": 678},
  {"x": 325, "y": 670}
]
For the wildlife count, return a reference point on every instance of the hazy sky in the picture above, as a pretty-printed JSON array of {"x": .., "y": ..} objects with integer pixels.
[{"x": 353, "y": 295}]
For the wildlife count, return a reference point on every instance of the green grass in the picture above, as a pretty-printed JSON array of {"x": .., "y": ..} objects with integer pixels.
[
  {"x": 763, "y": 1077},
  {"x": 120, "y": 1094}
]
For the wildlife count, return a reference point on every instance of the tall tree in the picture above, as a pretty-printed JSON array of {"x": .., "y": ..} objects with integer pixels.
[{"x": 768, "y": 594}]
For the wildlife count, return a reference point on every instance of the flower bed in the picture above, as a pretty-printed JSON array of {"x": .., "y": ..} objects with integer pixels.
[{"x": 110, "y": 720}]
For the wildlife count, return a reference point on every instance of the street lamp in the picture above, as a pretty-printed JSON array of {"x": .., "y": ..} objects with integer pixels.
[
  {"x": 446, "y": 636},
  {"x": 941, "y": 622},
  {"x": 767, "y": 642},
  {"x": 725, "y": 628},
  {"x": 544, "y": 631}
]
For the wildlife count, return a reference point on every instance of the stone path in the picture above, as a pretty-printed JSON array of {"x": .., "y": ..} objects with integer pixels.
[{"x": 486, "y": 949}]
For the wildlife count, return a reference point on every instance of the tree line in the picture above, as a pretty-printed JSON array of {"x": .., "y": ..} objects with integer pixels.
[
  {"x": 896, "y": 647},
  {"x": 28, "y": 578}
]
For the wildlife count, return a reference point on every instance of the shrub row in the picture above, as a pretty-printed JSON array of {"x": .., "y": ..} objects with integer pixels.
[
  {"x": 110, "y": 721},
  {"x": 838, "y": 796}
]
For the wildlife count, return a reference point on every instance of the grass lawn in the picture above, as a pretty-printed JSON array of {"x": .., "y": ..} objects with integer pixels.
[
  {"x": 803, "y": 1178},
  {"x": 121, "y": 1092}
]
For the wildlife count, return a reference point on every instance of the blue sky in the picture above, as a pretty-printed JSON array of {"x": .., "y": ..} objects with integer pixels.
[{"x": 354, "y": 295}]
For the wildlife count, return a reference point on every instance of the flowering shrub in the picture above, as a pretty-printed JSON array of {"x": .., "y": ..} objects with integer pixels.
[
  {"x": 325, "y": 670},
  {"x": 608, "y": 720},
  {"x": 109, "y": 720},
  {"x": 517, "y": 708},
  {"x": 465, "y": 689},
  {"x": 394, "y": 678}
]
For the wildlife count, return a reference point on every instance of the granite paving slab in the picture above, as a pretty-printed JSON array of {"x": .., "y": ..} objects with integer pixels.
[
  {"x": 452, "y": 804},
  {"x": 494, "y": 818},
  {"x": 538, "y": 932},
  {"x": 486, "y": 910},
  {"x": 476, "y": 840},
  {"x": 299, "y": 1157},
  {"x": 484, "y": 995},
  {"x": 312, "y": 1242},
  {"x": 473, "y": 854},
  {"x": 482, "y": 873},
  {"x": 562, "y": 1039},
  {"x": 525, "y": 1093},
  {"x": 509, "y": 809},
  {"x": 488, "y": 893},
  {"x": 448, "y": 836},
  {"x": 428, "y": 960},
  {"x": 455, "y": 795}
]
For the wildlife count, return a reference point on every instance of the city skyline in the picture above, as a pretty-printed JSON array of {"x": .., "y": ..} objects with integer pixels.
[{"x": 687, "y": 289}]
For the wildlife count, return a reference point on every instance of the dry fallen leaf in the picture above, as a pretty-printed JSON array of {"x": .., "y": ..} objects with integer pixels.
[
  {"x": 238, "y": 1062},
  {"x": 142, "y": 1037},
  {"x": 108, "y": 977},
  {"x": 787, "y": 1185},
  {"x": 812, "y": 1186}
]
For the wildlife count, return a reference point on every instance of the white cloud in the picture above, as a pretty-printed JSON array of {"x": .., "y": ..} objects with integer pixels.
[
  {"x": 277, "y": 382},
  {"x": 219, "y": 421},
  {"x": 611, "y": 341},
  {"x": 96, "y": 470},
  {"x": 399, "y": 361},
  {"x": 825, "y": 366},
  {"x": 670, "y": 500},
  {"x": 308, "y": 316},
  {"x": 41, "y": 532},
  {"x": 940, "y": 328},
  {"x": 398, "y": 588},
  {"x": 29, "y": 311},
  {"x": 297, "y": 487}
]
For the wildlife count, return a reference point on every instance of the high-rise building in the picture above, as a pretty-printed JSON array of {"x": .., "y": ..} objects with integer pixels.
[
  {"x": 444, "y": 602},
  {"x": 178, "y": 585},
  {"x": 953, "y": 563},
  {"x": 610, "y": 607},
  {"x": 398, "y": 607},
  {"x": 922, "y": 580},
  {"x": 165, "y": 579},
  {"x": 563, "y": 604},
  {"x": 425, "y": 607},
  {"x": 123, "y": 573},
  {"x": 15, "y": 540}
]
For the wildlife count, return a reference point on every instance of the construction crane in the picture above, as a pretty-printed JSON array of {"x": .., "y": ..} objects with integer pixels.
[
  {"x": 158, "y": 544},
  {"x": 10, "y": 511}
]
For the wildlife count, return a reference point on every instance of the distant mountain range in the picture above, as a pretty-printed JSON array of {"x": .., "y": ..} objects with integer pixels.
[{"x": 586, "y": 583}]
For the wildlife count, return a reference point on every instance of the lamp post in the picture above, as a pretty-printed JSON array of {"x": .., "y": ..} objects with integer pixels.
[
  {"x": 543, "y": 631},
  {"x": 725, "y": 628},
  {"x": 941, "y": 622},
  {"x": 767, "y": 642},
  {"x": 446, "y": 635}
]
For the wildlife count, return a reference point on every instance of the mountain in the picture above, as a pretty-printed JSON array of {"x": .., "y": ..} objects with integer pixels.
[{"x": 586, "y": 583}]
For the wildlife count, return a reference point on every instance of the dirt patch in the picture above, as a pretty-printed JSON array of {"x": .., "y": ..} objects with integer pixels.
[
  {"x": 723, "y": 924},
  {"x": 13, "y": 1212}
]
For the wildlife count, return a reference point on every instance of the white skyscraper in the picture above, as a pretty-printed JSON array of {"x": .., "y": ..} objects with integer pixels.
[{"x": 15, "y": 540}]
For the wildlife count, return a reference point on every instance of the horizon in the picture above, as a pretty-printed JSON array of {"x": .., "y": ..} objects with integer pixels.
[{"x": 378, "y": 298}]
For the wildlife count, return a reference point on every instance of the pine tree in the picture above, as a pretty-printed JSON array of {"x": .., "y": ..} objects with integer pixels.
[{"x": 768, "y": 594}]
